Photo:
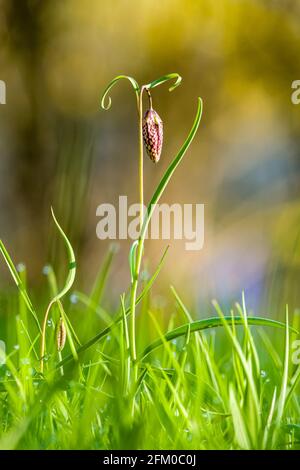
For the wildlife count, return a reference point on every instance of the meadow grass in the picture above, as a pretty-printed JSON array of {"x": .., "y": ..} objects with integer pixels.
[
  {"x": 215, "y": 383},
  {"x": 142, "y": 377}
]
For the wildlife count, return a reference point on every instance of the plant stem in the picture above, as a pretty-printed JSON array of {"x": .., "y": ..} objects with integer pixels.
[
  {"x": 149, "y": 97},
  {"x": 133, "y": 300},
  {"x": 141, "y": 158},
  {"x": 62, "y": 367},
  {"x": 134, "y": 285}
]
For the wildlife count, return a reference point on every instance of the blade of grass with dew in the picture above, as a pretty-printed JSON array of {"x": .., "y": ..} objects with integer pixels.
[
  {"x": 253, "y": 403},
  {"x": 269, "y": 420},
  {"x": 199, "y": 342},
  {"x": 23, "y": 332},
  {"x": 182, "y": 358},
  {"x": 167, "y": 347},
  {"x": 243, "y": 312},
  {"x": 165, "y": 415},
  {"x": 207, "y": 323},
  {"x": 10, "y": 440},
  {"x": 175, "y": 396}
]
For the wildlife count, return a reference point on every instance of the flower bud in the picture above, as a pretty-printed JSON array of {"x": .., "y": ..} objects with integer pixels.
[
  {"x": 61, "y": 335},
  {"x": 153, "y": 134}
]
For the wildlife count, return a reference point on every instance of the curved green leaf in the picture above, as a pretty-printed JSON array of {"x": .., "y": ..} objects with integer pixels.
[
  {"x": 165, "y": 78},
  {"x": 112, "y": 84},
  {"x": 72, "y": 262},
  {"x": 69, "y": 282},
  {"x": 207, "y": 323}
]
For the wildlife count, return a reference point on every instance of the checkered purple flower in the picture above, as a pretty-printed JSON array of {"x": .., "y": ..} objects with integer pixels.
[{"x": 153, "y": 134}]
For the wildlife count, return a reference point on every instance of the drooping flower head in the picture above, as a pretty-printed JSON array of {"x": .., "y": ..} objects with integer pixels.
[{"x": 153, "y": 134}]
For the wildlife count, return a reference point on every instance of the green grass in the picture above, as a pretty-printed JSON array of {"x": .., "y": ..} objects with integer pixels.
[
  {"x": 142, "y": 377},
  {"x": 205, "y": 384}
]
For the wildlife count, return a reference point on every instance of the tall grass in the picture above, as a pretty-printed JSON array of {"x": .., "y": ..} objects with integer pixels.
[{"x": 143, "y": 380}]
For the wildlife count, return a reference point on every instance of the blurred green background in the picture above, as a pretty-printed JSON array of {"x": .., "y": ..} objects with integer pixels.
[{"x": 58, "y": 148}]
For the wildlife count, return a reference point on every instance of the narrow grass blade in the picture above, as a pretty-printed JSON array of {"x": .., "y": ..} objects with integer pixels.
[
  {"x": 284, "y": 383},
  {"x": 253, "y": 404},
  {"x": 207, "y": 323},
  {"x": 250, "y": 339},
  {"x": 294, "y": 382},
  {"x": 152, "y": 279},
  {"x": 283, "y": 391},
  {"x": 237, "y": 366},
  {"x": 92, "y": 306},
  {"x": 200, "y": 344},
  {"x": 100, "y": 283},
  {"x": 269, "y": 420},
  {"x": 19, "y": 283},
  {"x": 240, "y": 428},
  {"x": 132, "y": 260},
  {"x": 125, "y": 321},
  {"x": 167, "y": 347}
]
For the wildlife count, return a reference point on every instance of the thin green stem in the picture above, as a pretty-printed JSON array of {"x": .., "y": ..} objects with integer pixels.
[
  {"x": 134, "y": 285},
  {"x": 149, "y": 97},
  {"x": 141, "y": 158},
  {"x": 62, "y": 367}
]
